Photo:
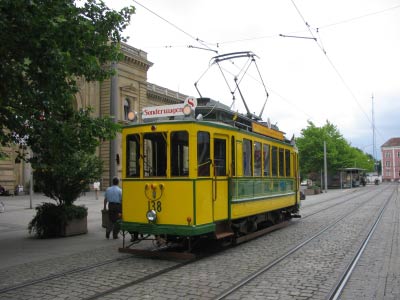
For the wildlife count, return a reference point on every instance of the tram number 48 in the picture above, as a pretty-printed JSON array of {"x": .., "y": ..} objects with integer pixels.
[{"x": 155, "y": 205}]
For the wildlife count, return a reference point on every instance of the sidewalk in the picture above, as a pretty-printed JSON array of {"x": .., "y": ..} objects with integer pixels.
[{"x": 18, "y": 247}]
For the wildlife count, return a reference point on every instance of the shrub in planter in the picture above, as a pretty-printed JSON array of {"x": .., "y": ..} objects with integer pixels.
[
  {"x": 65, "y": 163},
  {"x": 51, "y": 219}
]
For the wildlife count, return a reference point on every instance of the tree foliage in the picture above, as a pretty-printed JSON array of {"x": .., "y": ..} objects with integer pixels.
[
  {"x": 66, "y": 163},
  {"x": 45, "y": 47},
  {"x": 340, "y": 154}
]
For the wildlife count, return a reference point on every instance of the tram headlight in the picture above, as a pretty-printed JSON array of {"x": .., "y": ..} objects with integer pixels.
[{"x": 151, "y": 215}]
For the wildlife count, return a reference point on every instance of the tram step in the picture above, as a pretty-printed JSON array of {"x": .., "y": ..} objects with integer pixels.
[{"x": 221, "y": 235}]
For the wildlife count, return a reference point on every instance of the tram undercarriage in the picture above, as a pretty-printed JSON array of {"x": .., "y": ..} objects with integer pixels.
[{"x": 227, "y": 233}]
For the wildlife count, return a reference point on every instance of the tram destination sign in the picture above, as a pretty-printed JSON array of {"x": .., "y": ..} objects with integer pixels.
[{"x": 172, "y": 110}]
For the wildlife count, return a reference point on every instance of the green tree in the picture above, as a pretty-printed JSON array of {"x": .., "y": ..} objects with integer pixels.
[
  {"x": 45, "y": 47},
  {"x": 359, "y": 159},
  {"x": 311, "y": 148},
  {"x": 66, "y": 163},
  {"x": 340, "y": 154}
]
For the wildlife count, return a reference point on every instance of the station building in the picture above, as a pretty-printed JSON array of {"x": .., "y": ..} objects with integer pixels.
[
  {"x": 391, "y": 160},
  {"x": 133, "y": 92}
]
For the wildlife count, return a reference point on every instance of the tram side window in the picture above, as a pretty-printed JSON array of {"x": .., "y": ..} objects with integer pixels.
[
  {"x": 274, "y": 163},
  {"x": 219, "y": 157},
  {"x": 257, "y": 159},
  {"x": 203, "y": 153},
  {"x": 132, "y": 152},
  {"x": 155, "y": 154},
  {"x": 281, "y": 163},
  {"x": 247, "y": 153},
  {"x": 287, "y": 163},
  {"x": 266, "y": 154},
  {"x": 179, "y": 153}
]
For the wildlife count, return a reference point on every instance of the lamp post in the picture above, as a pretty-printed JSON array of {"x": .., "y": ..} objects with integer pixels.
[{"x": 114, "y": 113}]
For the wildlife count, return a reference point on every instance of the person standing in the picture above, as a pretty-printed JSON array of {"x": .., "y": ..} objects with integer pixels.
[
  {"x": 96, "y": 187},
  {"x": 113, "y": 197}
]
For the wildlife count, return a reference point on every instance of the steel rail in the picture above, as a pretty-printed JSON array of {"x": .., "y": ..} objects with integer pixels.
[
  {"x": 265, "y": 268},
  {"x": 341, "y": 202},
  {"x": 142, "y": 279},
  {"x": 336, "y": 291},
  {"x": 334, "y": 197},
  {"x": 61, "y": 274}
]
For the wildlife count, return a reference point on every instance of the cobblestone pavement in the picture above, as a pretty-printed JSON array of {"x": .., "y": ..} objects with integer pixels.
[
  {"x": 377, "y": 275},
  {"x": 307, "y": 274}
]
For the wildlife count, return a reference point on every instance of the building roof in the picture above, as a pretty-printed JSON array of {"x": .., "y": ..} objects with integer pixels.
[{"x": 393, "y": 142}]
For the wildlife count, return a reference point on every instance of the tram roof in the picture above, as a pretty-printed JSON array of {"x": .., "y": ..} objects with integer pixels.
[{"x": 215, "y": 112}]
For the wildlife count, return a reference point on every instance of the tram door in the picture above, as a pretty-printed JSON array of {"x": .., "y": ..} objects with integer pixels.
[{"x": 220, "y": 177}]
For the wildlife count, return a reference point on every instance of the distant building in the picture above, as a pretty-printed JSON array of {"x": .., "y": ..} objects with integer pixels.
[{"x": 391, "y": 159}]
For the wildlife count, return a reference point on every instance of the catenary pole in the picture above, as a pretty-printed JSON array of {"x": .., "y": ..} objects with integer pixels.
[
  {"x": 325, "y": 169},
  {"x": 114, "y": 114}
]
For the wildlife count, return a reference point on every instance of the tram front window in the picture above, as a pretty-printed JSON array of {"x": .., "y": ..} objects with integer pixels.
[
  {"x": 203, "y": 153},
  {"x": 132, "y": 150},
  {"x": 179, "y": 153},
  {"x": 219, "y": 157},
  {"x": 155, "y": 154}
]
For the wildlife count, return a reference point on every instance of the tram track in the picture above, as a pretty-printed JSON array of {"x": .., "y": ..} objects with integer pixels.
[
  {"x": 291, "y": 251},
  {"x": 163, "y": 271},
  {"x": 335, "y": 290},
  {"x": 61, "y": 274},
  {"x": 262, "y": 270},
  {"x": 342, "y": 201}
]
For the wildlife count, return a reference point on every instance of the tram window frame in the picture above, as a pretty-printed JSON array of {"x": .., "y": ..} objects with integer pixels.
[
  {"x": 257, "y": 159},
  {"x": 281, "y": 164},
  {"x": 203, "y": 153},
  {"x": 155, "y": 154},
  {"x": 274, "y": 161},
  {"x": 219, "y": 157},
  {"x": 132, "y": 157},
  {"x": 267, "y": 159},
  {"x": 233, "y": 158},
  {"x": 287, "y": 163},
  {"x": 179, "y": 151},
  {"x": 247, "y": 147}
]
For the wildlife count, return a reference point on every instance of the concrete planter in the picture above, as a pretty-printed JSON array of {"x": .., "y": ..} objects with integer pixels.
[
  {"x": 75, "y": 227},
  {"x": 312, "y": 191}
]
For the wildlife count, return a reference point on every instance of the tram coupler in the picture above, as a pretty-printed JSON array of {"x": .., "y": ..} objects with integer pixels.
[{"x": 296, "y": 216}]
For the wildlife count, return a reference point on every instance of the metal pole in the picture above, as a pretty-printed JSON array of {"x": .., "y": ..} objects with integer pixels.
[
  {"x": 30, "y": 181},
  {"x": 114, "y": 114},
  {"x": 373, "y": 136},
  {"x": 325, "y": 169}
]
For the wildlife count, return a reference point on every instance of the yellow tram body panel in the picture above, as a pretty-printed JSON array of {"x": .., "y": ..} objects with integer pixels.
[
  {"x": 173, "y": 207},
  {"x": 190, "y": 203},
  {"x": 249, "y": 208},
  {"x": 204, "y": 207},
  {"x": 180, "y": 200}
]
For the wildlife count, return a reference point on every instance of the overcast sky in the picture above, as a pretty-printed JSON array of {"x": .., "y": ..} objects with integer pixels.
[{"x": 355, "y": 55}]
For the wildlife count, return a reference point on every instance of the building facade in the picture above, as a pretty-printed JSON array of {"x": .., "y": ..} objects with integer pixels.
[
  {"x": 132, "y": 92},
  {"x": 391, "y": 160}
]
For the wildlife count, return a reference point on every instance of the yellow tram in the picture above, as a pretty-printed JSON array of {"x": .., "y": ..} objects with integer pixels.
[{"x": 204, "y": 171}]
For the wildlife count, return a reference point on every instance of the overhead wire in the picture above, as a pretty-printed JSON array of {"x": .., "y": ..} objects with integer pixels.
[
  {"x": 333, "y": 65},
  {"x": 309, "y": 29},
  {"x": 176, "y": 27},
  {"x": 360, "y": 17}
]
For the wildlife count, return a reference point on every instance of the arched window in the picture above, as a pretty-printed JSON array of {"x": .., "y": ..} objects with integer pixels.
[{"x": 127, "y": 108}]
